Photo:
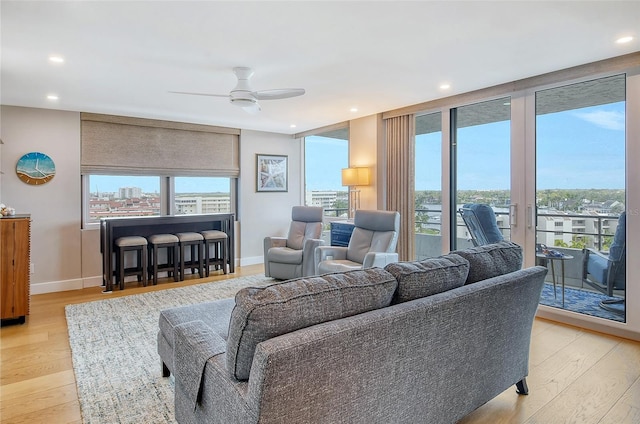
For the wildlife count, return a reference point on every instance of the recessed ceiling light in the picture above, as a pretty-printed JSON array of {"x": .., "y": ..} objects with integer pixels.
[
  {"x": 623, "y": 40},
  {"x": 353, "y": 109},
  {"x": 56, "y": 59},
  {"x": 52, "y": 97},
  {"x": 292, "y": 126},
  {"x": 445, "y": 86}
]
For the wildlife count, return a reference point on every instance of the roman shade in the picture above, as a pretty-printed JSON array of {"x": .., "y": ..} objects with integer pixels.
[{"x": 136, "y": 146}]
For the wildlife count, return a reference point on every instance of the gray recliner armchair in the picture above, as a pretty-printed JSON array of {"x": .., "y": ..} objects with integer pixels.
[
  {"x": 372, "y": 244},
  {"x": 292, "y": 256}
]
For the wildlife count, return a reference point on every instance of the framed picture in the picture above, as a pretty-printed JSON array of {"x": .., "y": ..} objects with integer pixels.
[{"x": 271, "y": 171}]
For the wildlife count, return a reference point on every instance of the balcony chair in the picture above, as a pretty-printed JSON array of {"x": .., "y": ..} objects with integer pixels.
[
  {"x": 481, "y": 222},
  {"x": 372, "y": 244},
  {"x": 292, "y": 256},
  {"x": 606, "y": 273}
]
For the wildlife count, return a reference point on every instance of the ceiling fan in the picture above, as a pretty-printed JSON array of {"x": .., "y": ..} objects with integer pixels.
[{"x": 245, "y": 97}]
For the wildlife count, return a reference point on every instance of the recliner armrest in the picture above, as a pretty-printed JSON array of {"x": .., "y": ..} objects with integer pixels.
[
  {"x": 323, "y": 252},
  {"x": 270, "y": 242},
  {"x": 308, "y": 258},
  {"x": 379, "y": 259}
]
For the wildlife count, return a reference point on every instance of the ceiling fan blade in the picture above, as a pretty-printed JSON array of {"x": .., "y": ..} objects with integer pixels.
[
  {"x": 280, "y": 93},
  {"x": 200, "y": 94}
]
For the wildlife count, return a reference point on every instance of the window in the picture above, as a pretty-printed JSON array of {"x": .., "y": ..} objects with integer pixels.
[
  {"x": 428, "y": 185},
  {"x": 112, "y": 196},
  {"x": 194, "y": 195},
  {"x": 118, "y": 196},
  {"x": 325, "y": 154}
]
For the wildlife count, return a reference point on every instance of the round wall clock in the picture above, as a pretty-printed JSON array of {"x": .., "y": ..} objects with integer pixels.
[{"x": 35, "y": 168}]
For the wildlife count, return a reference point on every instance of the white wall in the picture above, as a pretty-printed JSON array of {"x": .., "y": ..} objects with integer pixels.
[
  {"x": 262, "y": 214},
  {"x": 55, "y": 206}
]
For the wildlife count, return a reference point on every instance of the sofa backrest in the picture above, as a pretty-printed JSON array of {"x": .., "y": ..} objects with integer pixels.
[
  {"x": 491, "y": 260},
  {"x": 428, "y": 277},
  {"x": 402, "y": 363},
  {"x": 266, "y": 312}
]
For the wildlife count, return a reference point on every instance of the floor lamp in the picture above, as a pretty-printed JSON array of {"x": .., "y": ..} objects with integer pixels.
[{"x": 354, "y": 177}]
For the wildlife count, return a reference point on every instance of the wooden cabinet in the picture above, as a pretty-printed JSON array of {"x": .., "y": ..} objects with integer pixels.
[{"x": 15, "y": 237}]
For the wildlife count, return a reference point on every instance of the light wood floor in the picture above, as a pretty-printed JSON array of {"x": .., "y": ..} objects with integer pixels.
[{"x": 575, "y": 376}]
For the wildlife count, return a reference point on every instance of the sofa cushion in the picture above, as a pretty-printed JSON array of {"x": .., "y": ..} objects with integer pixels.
[
  {"x": 263, "y": 313},
  {"x": 284, "y": 255},
  {"x": 491, "y": 260},
  {"x": 428, "y": 277}
]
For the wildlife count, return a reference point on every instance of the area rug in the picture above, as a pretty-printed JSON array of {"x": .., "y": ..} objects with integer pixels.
[
  {"x": 581, "y": 301},
  {"x": 113, "y": 345}
]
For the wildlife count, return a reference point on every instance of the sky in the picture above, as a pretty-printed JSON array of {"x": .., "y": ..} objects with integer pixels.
[{"x": 575, "y": 149}]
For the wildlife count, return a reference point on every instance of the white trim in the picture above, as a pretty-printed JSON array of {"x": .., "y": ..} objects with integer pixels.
[
  {"x": 252, "y": 260},
  {"x": 65, "y": 285},
  {"x": 588, "y": 322}
]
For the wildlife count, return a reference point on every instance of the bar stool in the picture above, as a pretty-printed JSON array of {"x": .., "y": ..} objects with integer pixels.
[
  {"x": 220, "y": 256},
  {"x": 163, "y": 241},
  {"x": 127, "y": 244},
  {"x": 194, "y": 241}
]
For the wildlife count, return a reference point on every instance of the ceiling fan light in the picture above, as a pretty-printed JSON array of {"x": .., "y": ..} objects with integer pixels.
[{"x": 243, "y": 101}]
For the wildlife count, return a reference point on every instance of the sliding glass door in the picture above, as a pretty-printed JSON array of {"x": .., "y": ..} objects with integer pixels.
[
  {"x": 581, "y": 195},
  {"x": 481, "y": 164}
]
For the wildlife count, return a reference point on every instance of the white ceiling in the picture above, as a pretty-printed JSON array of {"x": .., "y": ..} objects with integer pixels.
[{"x": 123, "y": 57}]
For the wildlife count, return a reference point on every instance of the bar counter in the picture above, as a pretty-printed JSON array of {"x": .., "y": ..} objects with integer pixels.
[{"x": 112, "y": 228}]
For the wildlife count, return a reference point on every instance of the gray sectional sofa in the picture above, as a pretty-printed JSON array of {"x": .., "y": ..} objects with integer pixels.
[{"x": 416, "y": 342}]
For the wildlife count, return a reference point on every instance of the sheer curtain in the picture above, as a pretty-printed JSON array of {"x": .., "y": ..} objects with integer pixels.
[{"x": 400, "y": 137}]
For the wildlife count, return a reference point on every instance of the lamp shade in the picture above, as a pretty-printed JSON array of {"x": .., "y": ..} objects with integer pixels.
[{"x": 355, "y": 176}]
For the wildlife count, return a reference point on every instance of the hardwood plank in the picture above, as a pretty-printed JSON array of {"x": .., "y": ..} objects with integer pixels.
[
  {"x": 627, "y": 409},
  {"x": 546, "y": 380},
  {"x": 62, "y": 413},
  {"x": 23, "y": 339},
  {"x": 32, "y": 403},
  {"x": 555, "y": 337},
  {"x": 589, "y": 398},
  {"x": 12, "y": 375},
  {"x": 35, "y": 385}
]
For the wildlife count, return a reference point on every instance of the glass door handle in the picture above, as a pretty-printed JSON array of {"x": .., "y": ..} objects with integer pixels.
[{"x": 513, "y": 215}]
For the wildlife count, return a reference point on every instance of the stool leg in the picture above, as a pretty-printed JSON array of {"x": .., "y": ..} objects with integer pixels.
[
  {"x": 216, "y": 252},
  {"x": 200, "y": 264},
  {"x": 121, "y": 268},
  {"x": 182, "y": 248},
  {"x": 139, "y": 263},
  {"x": 143, "y": 266},
  {"x": 155, "y": 264},
  {"x": 225, "y": 255},
  {"x": 206, "y": 258},
  {"x": 176, "y": 275}
]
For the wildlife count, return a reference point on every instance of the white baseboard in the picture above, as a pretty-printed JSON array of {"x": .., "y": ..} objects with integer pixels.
[
  {"x": 252, "y": 260},
  {"x": 58, "y": 286}
]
